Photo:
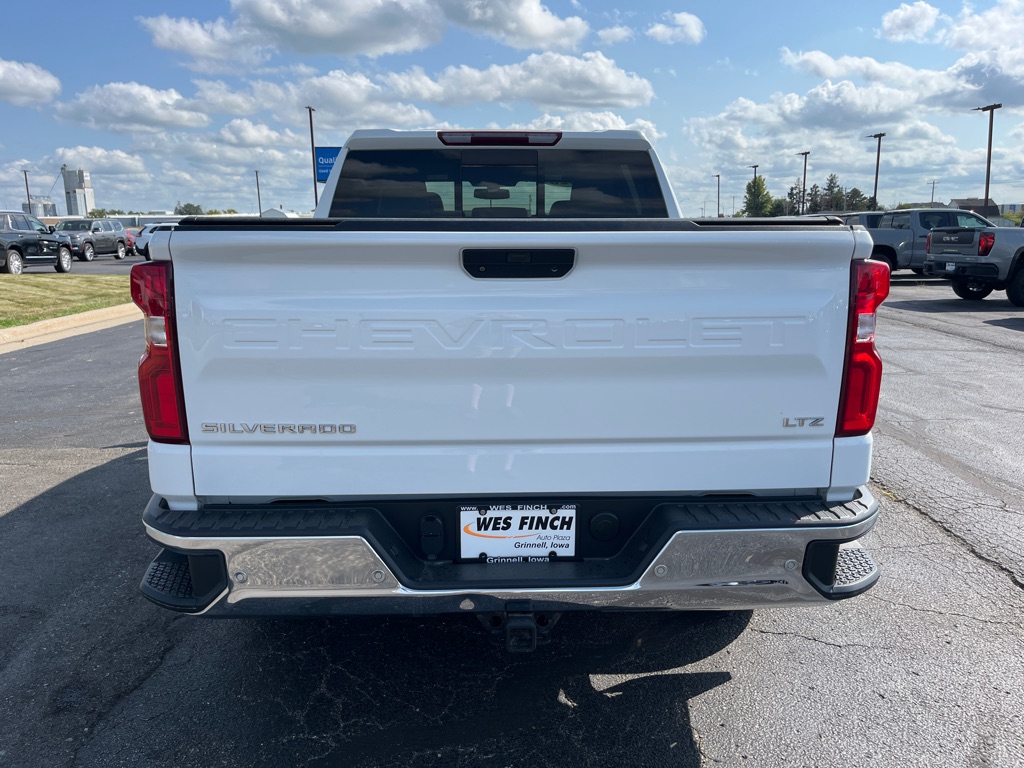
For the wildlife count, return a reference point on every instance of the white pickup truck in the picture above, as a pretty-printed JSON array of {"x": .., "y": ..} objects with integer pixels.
[{"x": 497, "y": 374}]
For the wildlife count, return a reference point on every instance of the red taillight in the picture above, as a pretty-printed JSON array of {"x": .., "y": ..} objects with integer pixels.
[
  {"x": 985, "y": 242},
  {"x": 862, "y": 374},
  {"x": 163, "y": 407},
  {"x": 500, "y": 138},
  {"x": 928, "y": 243}
]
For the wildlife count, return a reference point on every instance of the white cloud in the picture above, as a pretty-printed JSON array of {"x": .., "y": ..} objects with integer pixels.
[
  {"x": 909, "y": 22},
  {"x": 214, "y": 45},
  {"x": 613, "y": 35},
  {"x": 357, "y": 27},
  {"x": 917, "y": 85},
  {"x": 1001, "y": 27},
  {"x": 589, "y": 121},
  {"x": 100, "y": 160},
  {"x": 545, "y": 79},
  {"x": 244, "y": 133},
  {"x": 126, "y": 107},
  {"x": 344, "y": 27},
  {"x": 342, "y": 100},
  {"x": 519, "y": 24},
  {"x": 24, "y": 84},
  {"x": 215, "y": 96},
  {"x": 682, "y": 28}
]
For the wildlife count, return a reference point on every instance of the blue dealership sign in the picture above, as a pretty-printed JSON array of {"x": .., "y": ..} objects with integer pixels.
[{"x": 325, "y": 157}]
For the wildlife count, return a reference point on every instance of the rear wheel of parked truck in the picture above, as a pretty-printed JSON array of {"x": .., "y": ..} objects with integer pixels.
[
  {"x": 1015, "y": 288},
  {"x": 887, "y": 256},
  {"x": 63, "y": 260},
  {"x": 88, "y": 252},
  {"x": 971, "y": 289}
]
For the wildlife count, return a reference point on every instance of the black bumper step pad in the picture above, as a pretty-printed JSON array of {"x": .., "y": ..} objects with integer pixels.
[
  {"x": 854, "y": 568},
  {"x": 187, "y": 583}
]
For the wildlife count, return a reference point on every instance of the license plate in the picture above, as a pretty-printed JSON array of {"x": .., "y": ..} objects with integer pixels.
[
  {"x": 951, "y": 266},
  {"x": 517, "y": 533}
]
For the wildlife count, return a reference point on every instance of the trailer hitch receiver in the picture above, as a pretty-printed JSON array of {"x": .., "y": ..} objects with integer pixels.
[{"x": 519, "y": 628}]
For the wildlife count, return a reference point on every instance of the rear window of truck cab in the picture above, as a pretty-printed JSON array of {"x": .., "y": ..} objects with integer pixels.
[{"x": 498, "y": 183}]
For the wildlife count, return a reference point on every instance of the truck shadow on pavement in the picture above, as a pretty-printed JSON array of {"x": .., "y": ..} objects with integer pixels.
[
  {"x": 952, "y": 304},
  {"x": 95, "y": 675},
  {"x": 608, "y": 690},
  {"x": 1010, "y": 323}
]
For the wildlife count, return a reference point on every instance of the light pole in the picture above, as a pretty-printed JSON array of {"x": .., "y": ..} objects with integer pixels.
[
  {"x": 878, "y": 160},
  {"x": 803, "y": 189},
  {"x": 933, "y": 183},
  {"x": 991, "y": 109},
  {"x": 755, "y": 171},
  {"x": 312, "y": 146},
  {"x": 719, "y": 177},
  {"x": 259, "y": 200},
  {"x": 28, "y": 197}
]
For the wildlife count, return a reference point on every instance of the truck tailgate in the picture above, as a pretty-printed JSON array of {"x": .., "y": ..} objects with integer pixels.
[
  {"x": 324, "y": 364},
  {"x": 954, "y": 240}
]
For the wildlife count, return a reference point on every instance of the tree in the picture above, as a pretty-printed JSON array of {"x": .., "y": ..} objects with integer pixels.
[
  {"x": 833, "y": 198},
  {"x": 794, "y": 198},
  {"x": 814, "y": 200},
  {"x": 757, "y": 201},
  {"x": 188, "y": 209},
  {"x": 856, "y": 201}
]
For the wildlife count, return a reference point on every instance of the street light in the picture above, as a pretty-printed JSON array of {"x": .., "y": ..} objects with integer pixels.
[
  {"x": 312, "y": 146},
  {"x": 259, "y": 200},
  {"x": 28, "y": 197},
  {"x": 878, "y": 160},
  {"x": 719, "y": 177},
  {"x": 755, "y": 171},
  {"x": 933, "y": 183},
  {"x": 991, "y": 109},
  {"x": 803, "y": 190}
]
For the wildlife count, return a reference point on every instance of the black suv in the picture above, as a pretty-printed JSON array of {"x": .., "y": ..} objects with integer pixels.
[
  {"x": 90, "y": 237},
  {"x": 26, "y": 242}
]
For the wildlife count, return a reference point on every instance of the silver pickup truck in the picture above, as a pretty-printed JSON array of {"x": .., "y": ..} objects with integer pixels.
[{"x": 978, "y": 261}]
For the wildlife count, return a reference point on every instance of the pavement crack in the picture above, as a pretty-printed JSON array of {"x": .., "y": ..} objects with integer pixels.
[
  {"x": 945, "y": 614},
  {"x": 971, "y": 548},
  {"x": 819, "y": 641}
]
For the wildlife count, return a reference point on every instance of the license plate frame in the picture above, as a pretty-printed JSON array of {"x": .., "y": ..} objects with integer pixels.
[
  {"x": 951, "y": 266},
  {"x": 511, "y": 533}
]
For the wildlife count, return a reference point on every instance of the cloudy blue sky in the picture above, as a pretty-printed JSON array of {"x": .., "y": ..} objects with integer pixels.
[{"x": 169, "y": 101}]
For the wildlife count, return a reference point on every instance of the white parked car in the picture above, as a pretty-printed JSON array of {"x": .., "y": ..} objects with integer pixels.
[{"x": 143, "y": 238}]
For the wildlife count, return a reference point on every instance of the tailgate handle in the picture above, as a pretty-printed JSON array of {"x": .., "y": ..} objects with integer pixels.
[{"x": 491, "y": 263}]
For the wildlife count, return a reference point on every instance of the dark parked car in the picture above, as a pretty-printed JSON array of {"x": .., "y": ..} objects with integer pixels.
[
  {"x": 26, "y": 242},
  {"x": 90, "y": 237}
]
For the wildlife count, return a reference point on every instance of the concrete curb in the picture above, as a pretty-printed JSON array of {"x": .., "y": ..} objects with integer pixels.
[{"x": 24, "y": 336}]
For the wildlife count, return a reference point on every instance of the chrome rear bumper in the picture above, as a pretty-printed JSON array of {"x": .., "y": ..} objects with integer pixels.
[{"x": 707, "y": 569}]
